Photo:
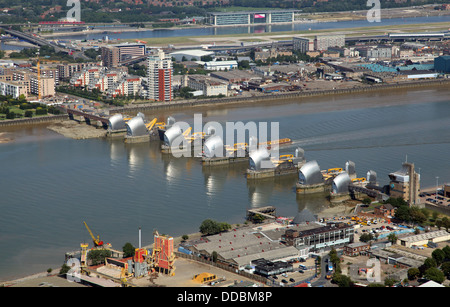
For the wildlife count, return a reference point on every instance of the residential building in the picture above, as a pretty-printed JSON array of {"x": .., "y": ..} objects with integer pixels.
[
  {"x": 13, "y": 88},
  {"x": 159, "y": 77},
  {"x": 67, "y": 70},
  {"x": 356, "y": 249},
  {"x": 47, "y": 86},
  {"x": 113, "y": 82},
  {"x": 48, "y": 71},
  {"x": 85, "y": 77},
  {"x": 303, "y": 44},
  {"x": 384, "y": 210},
  {"x": 129, "y": 86},
  {"x": 322, "y": 42}
]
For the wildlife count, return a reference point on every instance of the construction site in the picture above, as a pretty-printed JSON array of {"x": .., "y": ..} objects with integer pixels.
[{"x": 157, "y": 265}]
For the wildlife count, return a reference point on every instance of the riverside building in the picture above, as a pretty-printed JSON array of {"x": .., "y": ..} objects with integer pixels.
[{"x": 159, "y": 77}]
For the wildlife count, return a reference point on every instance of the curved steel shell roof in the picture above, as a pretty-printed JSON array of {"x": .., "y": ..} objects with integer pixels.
[
  {"x": 136, "y": 127},
  {"x": 257, "y": 158},
  {"x": 213, "y": 147},
  {"x": 340, "y": 183},
  {"x": 171, "y": 134},
  {"x": 116, "y": 122},
  {"x": 310, "y": 173}
]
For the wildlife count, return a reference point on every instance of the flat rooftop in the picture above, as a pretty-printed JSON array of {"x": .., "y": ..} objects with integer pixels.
[{"x": 253, "y": 12}]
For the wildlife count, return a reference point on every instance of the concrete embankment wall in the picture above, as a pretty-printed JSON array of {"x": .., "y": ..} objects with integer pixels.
[
  {"x": 33, "y": 120},
  {"x": 274, "y": 97}
]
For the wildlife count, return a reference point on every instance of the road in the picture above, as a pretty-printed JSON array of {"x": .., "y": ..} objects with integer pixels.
[{"x": 43, "y": 42}]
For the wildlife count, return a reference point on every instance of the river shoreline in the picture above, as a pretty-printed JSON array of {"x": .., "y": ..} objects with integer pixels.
[
  {"x": 275, "y": 98},
  {"x": 280, "y": 98}
]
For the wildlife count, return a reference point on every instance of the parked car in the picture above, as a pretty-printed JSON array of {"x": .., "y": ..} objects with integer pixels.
[{"x": 291, "y": 279}]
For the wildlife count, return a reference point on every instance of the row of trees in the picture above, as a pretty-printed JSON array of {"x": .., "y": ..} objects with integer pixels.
[
  {"x": 417, "y": 216},
  {"x": 435, "y": 268}
]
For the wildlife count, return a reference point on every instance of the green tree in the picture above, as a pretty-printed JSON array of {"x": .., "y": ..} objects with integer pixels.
[
  {"x": 64, "y": 269},
  {"x": 10, "y": 115},
  {"x": 435, "y": 274},
  {"x": 445, "y": 268},
  {"x": 366, "y": 201},
  {"x": 413, "y": 273},
  {"x": 392, "y": 238},
  {"x": 366, "y": 237},
  {"x": 446, "y": 250},
  {"x": 128, "y": 250},
  {"x": 98, "y": 256},
  {"x": 342, "y": 281},
  {"x": 209, "y": 227},
  {"x": 214, "y": 256},
  {"x": 439, "y": 256}
]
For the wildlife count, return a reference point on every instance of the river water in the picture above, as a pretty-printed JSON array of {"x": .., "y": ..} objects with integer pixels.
[
  {"x": 208, "y": 31},
  {"x": 51, "y": 184}
]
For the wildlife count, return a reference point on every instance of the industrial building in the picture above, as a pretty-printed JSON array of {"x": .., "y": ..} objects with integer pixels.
[
  {"x": 405, "y": 183},
  {"x": 424, "y": 238},
  {"x": 190, "y": 55},
  {"x": 442, "y": 64},
  {"x": 249, "y": 18},
  {"x": 318, "y": 237},
  {"x": 239, "y": 248},
  {"x": 209, "y": 86},
  {"x": 221, "y": 65}
]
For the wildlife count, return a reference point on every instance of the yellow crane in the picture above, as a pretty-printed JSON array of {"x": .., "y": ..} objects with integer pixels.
[{"x": 97, "y": 241}]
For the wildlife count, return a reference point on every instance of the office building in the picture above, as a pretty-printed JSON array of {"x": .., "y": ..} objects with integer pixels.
[
  {"x": 248, "y": 18},
  {"x": 319, "y": 238},
  {"x": 159, "y": 77},
  {"x": 114, "y": 55}
]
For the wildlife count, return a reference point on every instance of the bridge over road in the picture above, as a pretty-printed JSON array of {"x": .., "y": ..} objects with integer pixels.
[{"x": 34, "y": 39}]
